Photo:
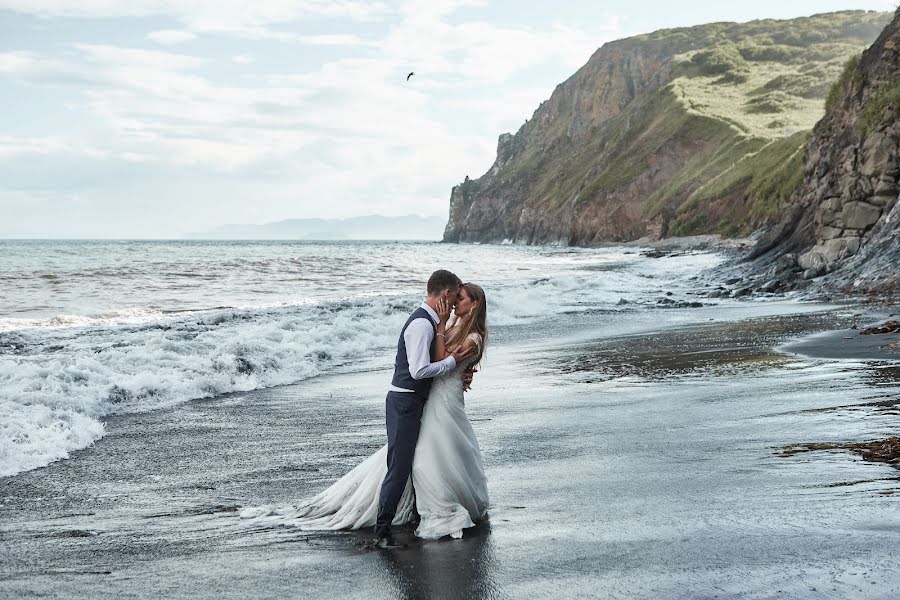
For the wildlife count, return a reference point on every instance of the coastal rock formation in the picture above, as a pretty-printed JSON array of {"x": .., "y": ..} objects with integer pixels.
[
  {"x": 842, "y": 226},
  {"x": 678, "y": 132}
]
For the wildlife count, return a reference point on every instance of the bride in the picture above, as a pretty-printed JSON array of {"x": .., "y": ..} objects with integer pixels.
[{"x": 447, "y": 489}]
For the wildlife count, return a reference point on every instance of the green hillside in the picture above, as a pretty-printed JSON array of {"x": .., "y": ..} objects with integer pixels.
[
  {"x": 711, "y": 141},
  {"x": 754, "y": 92}
]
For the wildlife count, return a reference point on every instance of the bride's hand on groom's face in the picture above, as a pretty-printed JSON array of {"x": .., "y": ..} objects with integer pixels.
[{"x": 443, "y": 309}]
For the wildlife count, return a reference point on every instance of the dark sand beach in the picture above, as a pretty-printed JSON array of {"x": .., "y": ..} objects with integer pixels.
[{"x": 641, "y": 459}]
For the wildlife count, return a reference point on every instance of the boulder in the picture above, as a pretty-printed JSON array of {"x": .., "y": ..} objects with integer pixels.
[
  {"x": 829, "y": 213},
  {"x": 854, "y": 187},
  {"x": 881, "y": 201},
  {"x": 786, "y": 261},
  {"x": 837, "y": 249},
  {"x": 812, "y": 260},
  {"x": 813, "y": 273},
  {"x": 886, "y": 187},
  {"x": 826, "y": 232},
  {"x": 875, "y": 156},
  {"x": 771, "y": 285},
  {"x": 859, "y": 215}
]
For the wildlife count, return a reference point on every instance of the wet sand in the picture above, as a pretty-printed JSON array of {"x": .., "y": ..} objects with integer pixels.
[
  {"x": 635, "y": 461},
  {"x": 853, "y": 343}
]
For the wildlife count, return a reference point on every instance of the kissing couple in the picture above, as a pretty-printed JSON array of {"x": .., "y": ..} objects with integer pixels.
[{"x": 431, "y": 466}]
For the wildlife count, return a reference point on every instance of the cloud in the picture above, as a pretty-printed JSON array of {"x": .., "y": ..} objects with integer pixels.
[
  {"x": 504, "y": 107},
  {"x": 264, "y": 33},
  {"x": 38, "y": 69},
  {"x": 108, "y": 55},
  {"x": 203, "y": 15},
  {"x": 170, "y": 36},
  {"x": 333, "y": 40},
  {"x": 483, "y": 52},
  {"x": 15, "y": 146},
  {"x": 344, "y": 136}
]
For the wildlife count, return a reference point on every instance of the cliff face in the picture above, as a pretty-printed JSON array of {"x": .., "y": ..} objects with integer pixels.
[
  {"x": 681, "y": 131},
  {"x": 842, "y": 226},
  {"x": 500, "y": 205}
]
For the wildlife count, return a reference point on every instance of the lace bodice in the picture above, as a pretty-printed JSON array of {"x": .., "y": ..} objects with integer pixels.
[{"x": 449, "y": 387}]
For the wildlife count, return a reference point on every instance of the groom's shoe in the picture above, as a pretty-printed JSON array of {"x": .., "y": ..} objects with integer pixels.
[{"x": 386, "y": 543}]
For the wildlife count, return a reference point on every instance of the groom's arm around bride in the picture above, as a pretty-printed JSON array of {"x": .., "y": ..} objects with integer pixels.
[{"x": 410, "y": 385}]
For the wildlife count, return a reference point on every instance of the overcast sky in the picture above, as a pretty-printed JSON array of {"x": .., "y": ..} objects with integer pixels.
[{"x": 151, "y": 118}]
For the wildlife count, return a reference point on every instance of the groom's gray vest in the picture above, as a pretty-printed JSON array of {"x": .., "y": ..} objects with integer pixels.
[{"x": 402, "y": 378}]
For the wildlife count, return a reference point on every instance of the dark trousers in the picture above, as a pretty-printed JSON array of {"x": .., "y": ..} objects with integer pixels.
[{"x": 403, "y": 416}]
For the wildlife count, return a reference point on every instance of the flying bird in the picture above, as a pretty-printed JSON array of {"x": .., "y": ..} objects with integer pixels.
[{"x": 411, "y": 73}]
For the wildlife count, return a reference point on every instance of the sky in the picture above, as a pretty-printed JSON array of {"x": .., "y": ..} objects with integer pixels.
[{"x": 153, "y": 118}]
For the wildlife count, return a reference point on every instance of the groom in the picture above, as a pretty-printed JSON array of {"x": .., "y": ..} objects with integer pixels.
[{"x": 413, "y": 372}]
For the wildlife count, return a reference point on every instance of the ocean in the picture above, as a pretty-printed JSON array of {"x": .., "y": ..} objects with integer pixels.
[{"x": 94, "y": 328}]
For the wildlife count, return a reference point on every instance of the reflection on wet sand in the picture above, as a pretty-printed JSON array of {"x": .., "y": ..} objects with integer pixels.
[
  {"x": 444, "y": 568},
  {"x": 884, "y": 374},
  {"x": 876, "y": 375}
]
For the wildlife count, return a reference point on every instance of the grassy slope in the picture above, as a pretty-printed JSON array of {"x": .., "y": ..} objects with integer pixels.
[
  {"x": 745, "y": 95},
  {"x": 772, "y": 86}
]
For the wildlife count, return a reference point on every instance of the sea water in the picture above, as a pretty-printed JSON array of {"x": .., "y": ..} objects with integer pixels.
[{"x": 91, "y": 328}]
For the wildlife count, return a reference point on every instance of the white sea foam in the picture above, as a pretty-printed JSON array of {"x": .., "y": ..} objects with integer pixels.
[
  {"x": 59, "y": 377},
  {"x": 56, "y": 385},
  {"x": 118, "y": 317},
  {"x": 35, "y": 435}
]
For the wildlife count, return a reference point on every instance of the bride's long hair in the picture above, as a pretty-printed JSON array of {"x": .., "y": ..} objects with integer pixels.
[{"x": 475, "y": 321}]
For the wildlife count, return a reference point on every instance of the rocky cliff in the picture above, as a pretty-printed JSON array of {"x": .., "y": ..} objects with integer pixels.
[
  {"x": 841, "y": 229},
  {"x": 683, "y": 131}
]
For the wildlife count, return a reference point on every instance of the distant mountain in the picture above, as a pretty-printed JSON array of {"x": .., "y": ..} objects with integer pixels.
[{"x": 372, "y": 227}]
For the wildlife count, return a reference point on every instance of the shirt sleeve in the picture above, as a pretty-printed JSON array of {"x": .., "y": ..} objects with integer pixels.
[{"x": 418, "y": 337}]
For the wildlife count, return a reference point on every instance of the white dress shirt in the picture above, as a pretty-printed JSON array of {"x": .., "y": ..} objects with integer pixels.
[{"x": 418, "y": 337}]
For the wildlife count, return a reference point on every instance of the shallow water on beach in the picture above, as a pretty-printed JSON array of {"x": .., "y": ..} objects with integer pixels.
[{"x": 632, "y": 460}]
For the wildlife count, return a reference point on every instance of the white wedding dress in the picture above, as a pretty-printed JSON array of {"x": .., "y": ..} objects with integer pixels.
[{"x": 448, "y": 488}]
